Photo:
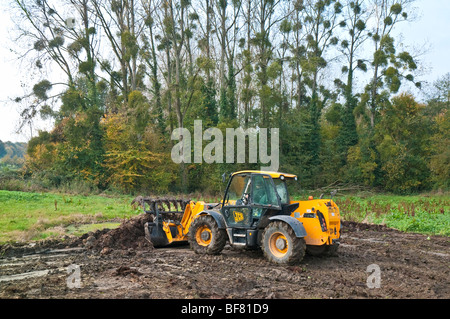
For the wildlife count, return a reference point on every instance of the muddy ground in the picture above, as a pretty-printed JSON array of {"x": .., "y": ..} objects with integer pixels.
[{"x": 120, "y": 263}]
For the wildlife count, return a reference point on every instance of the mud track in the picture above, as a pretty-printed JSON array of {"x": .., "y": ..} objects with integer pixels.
[{"x": 121, "y": 264}]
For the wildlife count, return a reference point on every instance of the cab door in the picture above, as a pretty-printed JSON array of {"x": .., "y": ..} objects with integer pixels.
[
  {"x": 248, "y": 197},
  {"x": 236, "y": 206},
  {"x": 264, "y": 195}
]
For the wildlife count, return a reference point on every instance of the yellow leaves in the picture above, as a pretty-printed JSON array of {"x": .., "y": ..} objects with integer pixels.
[
  {"x": 134, "y": 165},
  {"x": 134, "y": 168},
  {"x": 42, "y": 157},
  {"x": 116, "y": 134}
]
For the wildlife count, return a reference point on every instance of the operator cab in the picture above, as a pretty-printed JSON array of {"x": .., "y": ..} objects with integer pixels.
[{"x": 250, "y": 195}]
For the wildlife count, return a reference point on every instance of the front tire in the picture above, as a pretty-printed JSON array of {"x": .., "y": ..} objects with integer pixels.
[
  {"x": 280, "y": 244},
  {"x": 205, "y": 237}
]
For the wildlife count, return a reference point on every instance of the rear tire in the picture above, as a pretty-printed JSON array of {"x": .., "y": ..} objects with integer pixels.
[
  {"x": 205, "y": 237},
  {"x": 280, "y": 244}
]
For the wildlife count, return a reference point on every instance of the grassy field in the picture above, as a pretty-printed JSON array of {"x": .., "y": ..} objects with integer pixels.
[
  {"x": 33, "y": 216},
  {"x": 427, "y": 214}
]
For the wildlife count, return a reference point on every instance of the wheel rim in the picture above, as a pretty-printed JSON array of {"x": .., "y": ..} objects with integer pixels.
[
  {"x": 203, "y": 235},
  {"x": 278, "y": 244}
]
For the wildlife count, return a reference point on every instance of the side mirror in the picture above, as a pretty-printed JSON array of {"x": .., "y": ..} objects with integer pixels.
[{"x": 333, "y": 193}]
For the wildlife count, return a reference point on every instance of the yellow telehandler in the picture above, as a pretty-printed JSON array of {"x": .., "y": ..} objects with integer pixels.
[{"x": 256, "y": 211}]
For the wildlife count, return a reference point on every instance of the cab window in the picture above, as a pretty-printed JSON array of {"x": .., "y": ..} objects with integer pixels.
[
  {"x": 239, "y": 190},
  {"x": 263, "y": 191},
  {"x": 280, "y": 186}
]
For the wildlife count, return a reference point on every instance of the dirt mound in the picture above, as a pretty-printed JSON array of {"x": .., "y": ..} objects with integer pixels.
[{"x": 130, "y": 234}]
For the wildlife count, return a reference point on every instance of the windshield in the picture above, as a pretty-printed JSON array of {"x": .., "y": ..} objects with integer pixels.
[{"x": 248, "y": 189}]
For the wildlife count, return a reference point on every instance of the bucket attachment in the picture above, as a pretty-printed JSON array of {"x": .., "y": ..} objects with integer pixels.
[
  {"x": 167, "y": 214},
  {"x": 155, "y": 234}
]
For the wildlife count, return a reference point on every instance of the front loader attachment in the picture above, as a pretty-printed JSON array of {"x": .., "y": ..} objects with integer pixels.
[
  {"x": 167, "y": 214},
  {"x": 171, "y": 218}
]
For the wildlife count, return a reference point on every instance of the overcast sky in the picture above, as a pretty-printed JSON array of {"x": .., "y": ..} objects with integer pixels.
[{"x": 430, "y": 32}]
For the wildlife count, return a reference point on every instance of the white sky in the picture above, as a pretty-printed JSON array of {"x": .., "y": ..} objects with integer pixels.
[{"x": 431, "y": 31}]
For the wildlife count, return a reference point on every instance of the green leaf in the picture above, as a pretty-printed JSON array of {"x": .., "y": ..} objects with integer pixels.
[
  {"x": 360, "y": 25},
  {"x": 388, "y": 21},
  {"x": 396, "y": 8},
  {"x": 40, "y": 89}
]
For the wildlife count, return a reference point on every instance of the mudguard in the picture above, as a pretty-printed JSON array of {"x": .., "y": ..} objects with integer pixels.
[
  {"x": 217, "y": 217},
  {"x": 296, "y": 225}
]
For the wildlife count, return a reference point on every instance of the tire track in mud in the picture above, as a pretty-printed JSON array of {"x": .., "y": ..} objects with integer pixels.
[{"x": 43, "y": 262}]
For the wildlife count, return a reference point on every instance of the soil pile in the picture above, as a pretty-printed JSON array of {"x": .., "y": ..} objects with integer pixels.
[{"x": 130, "y": 234}]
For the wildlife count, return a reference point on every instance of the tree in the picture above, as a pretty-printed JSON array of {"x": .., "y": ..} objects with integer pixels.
[
  {"x": 135, "y": 166},
  {"x": 71, "y": 46},
  {"x": 2, "y": 149},
  {"x": 265, "y": 19},
  {"x": 176, "y": 33},
  {"x": 403, "y": 136},
  {"x": 388, "y": 66},
  {"x": 439, "y": 110},
  {"x": 355, "y": 16},
  {"x": 133, "y": 70},
  {"x": 42, "y": 26},
  {"x": 148, "y": 53},
  {"x": 228, "y": 36},
  {"x": 298, "y": 48},
  {"x": 439, "y": 95},
  {"x": 118, "y": 21},
  {"x": 320, "y": 23},
  {"x": 248, "y": 91}
]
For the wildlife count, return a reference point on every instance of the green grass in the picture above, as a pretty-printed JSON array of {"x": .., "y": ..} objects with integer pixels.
[
  {"x": 427, "y": 214},
  {"x": 30, "y": 216},
  {"x": 78, "y": 230}
]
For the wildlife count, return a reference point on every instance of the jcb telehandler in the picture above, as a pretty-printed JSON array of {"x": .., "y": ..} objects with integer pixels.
[{"x": 256, "y": 211}]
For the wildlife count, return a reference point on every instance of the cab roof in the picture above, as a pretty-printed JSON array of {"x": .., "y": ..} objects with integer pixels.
[{"x": 272, "y": 174}]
